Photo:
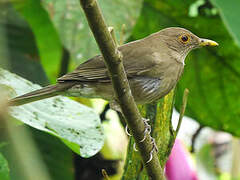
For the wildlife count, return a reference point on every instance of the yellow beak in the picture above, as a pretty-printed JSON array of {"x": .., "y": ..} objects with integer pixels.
[{"x": 207, "y": 42}]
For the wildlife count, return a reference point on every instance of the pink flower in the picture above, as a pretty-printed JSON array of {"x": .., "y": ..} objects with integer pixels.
[{"x": 179, "y": 165}]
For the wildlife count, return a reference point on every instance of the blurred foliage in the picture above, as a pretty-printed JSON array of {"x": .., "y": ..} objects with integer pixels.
[
  {"x": 57, "y": 157},
  {"x": 18, "y": 48},
  {"x": 206, "y": 163},
  {"x": 71, "y": 24},
  {"x": 47, "y": 39},
  {"x": 229, "y": 12},
  {"x": 4, "y": 169}
]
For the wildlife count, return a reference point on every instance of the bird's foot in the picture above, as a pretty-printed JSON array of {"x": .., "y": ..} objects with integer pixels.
[
  {"x": 147, "y": 129},
  {"x": 126, "y": 131},
  {"x": 154, "y": 148}
]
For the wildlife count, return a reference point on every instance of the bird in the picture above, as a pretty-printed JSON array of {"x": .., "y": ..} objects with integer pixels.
[{"x": 153, "y": 66}]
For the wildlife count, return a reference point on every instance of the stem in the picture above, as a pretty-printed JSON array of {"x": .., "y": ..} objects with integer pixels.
[
  {"x": 184, "y": 104},
  {"x": 122, "y": 34},
  {"x": 194, "y": 137},
  {"x": 113, "y": 61},
  {"x": 112, "y": 32},
  {"x": 105, "y": 175}
]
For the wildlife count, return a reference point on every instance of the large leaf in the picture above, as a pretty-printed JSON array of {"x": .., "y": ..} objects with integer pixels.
[
  {"x": 72, "y": 26},
  {"x": 54, "y": 153},
  {"x": 211, "y": 74},
  {"x": 47, "y": 39},
  {"x": 230, "y": 13},
  {"x": 74, "y": 123},
  {"x": 18, "y": 48}
]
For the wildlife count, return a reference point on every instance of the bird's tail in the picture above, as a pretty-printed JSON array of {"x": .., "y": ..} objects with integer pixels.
[{"x": 46, "y": 92}]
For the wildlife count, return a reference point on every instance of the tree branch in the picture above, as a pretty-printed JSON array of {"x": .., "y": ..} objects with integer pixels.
[{"x": 113, "y": 61}]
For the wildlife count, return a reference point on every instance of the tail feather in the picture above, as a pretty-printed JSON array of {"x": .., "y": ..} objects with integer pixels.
[{"x": 45, "y": 92}]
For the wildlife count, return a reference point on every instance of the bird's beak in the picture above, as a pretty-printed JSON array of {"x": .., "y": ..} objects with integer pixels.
[{"x": 207, "y": 42}]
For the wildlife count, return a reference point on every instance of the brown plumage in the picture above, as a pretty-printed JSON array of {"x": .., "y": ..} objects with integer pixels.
[{"x": 153, "y": 66}]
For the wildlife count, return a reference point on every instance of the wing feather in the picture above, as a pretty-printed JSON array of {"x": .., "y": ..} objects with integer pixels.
[{"x": 137, "y": 59}]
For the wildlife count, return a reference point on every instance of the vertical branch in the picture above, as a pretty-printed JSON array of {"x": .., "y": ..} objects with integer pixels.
[{"x": 113, "y": 61}]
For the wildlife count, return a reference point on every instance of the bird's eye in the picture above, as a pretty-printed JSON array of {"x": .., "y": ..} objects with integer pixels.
[{"x": 184, "y": 38}]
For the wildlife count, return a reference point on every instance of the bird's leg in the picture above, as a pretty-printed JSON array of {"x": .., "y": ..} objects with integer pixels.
[
  {"x": 153, "y": 143},
  {"x": 115, "y": 106},
  {"x": 147, "y": 130}
]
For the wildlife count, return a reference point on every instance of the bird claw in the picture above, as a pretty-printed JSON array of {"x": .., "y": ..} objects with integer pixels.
[
  {"x": 151, "y": 156},
  {"x": 126, "y": 130},
  {"x": 153, "y": 148},
  {"x": 134, "y": 147},
  {"x": 147, "y": 129}
]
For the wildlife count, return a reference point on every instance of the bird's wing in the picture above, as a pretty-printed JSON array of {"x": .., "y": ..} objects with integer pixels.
[
  {"x": 90, "y": 71},
  {"x": 137, "y": 61}
]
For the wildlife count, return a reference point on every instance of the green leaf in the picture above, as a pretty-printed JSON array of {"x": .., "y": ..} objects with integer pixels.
[
  {"x": 72, "y": 26},
  {"x": 47, "y": 39},
  {"x": 211, "y": 74},
  {"x": 4, "y": 169},
  {"x": 59, "y": 116},
  {"x": 18, "y": 48},
  {"x": 54, "y": 153},
  {"x": 229, "y": 11}
]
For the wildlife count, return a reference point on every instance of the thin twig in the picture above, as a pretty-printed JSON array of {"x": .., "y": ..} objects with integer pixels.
[
  {"x": 194, "y": 137},
  {"x": 105, "y": 175},
  {"x": 122, "y": 34},
  {"x": 113, "y": 60},
  {"x": 112, "y": 32},
  {"x": 184, "y": 104}
]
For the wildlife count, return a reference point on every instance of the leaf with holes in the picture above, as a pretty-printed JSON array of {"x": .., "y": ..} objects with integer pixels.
[{"x": 77, "y": 125}]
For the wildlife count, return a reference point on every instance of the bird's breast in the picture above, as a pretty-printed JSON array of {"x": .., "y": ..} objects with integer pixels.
[{"x": 170, "y": 78}]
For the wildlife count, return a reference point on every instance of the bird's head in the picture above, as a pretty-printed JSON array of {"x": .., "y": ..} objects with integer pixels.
[{"x": 182, "y": 41}]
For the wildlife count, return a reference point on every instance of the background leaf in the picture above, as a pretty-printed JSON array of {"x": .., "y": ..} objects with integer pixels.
[
  {"x": 73, "y": 29},
  {"x": 47, "y": 39},
  {"x": 229, "y": 12},
  {"x": 18, "y": 48},
  {"x": 4, "y": 169},
  {"x": 63, "y": 117}
]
